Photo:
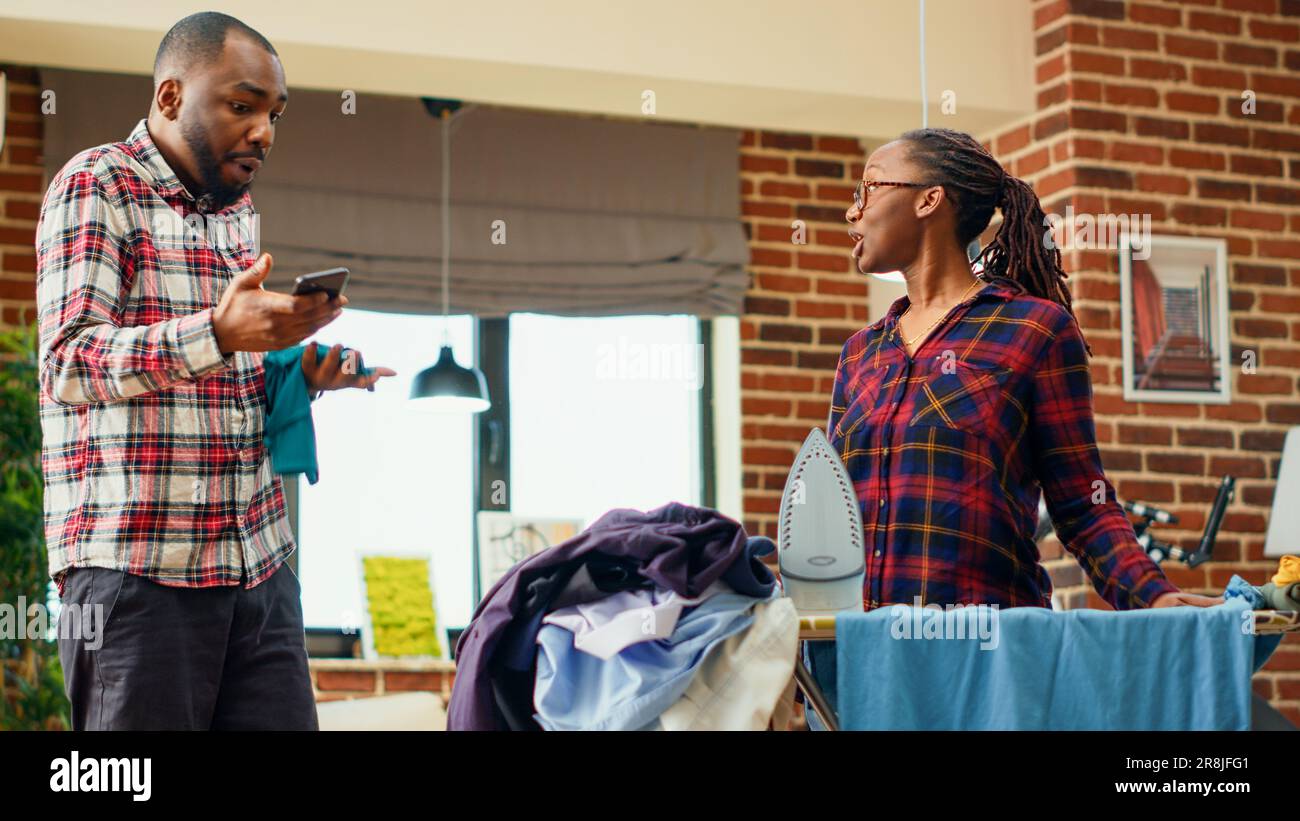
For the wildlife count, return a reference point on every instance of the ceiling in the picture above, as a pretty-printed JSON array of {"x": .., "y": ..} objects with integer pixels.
[{"x": 844, "y": 67}]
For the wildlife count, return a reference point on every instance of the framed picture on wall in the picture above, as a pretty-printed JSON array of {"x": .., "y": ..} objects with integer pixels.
[
  {"x": 505, "y": 539},
  {"x": 1174, "y": 318}
]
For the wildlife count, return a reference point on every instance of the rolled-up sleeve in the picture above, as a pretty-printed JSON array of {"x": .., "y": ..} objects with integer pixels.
[
  {"x": 84, "y": 274},
  {"x": 1085, "y": 511}
]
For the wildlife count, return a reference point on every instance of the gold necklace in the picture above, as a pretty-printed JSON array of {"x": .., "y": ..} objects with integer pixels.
[{"x": 910, "y": 342}]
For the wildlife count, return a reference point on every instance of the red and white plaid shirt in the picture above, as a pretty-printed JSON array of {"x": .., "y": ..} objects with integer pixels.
[{"x": 153, "y": 451}]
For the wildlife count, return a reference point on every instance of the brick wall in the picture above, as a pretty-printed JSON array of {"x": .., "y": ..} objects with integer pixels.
[
  {"x": 803, "y": 301},
  {"x": 341, "y": 679},
  {"x": 1138, "y": 111},
  {"x": 21, "y": 175}
]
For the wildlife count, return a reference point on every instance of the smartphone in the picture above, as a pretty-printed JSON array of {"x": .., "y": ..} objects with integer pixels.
[{"x": 331, "y": 282}]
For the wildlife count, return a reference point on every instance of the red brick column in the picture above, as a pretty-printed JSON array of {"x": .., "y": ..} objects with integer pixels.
[
  {"x": 1140, "y": 109},
  {"x": 21, "y": 189},
  {"x": 802, "y": 304}
]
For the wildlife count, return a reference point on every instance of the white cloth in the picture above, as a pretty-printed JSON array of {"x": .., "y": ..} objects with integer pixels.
[
  {"x": 739, "y": 685},
  {"x": 605, "y": 627}
]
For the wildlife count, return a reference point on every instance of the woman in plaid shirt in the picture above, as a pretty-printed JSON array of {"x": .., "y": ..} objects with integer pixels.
[{"x": 971, "y": 394}]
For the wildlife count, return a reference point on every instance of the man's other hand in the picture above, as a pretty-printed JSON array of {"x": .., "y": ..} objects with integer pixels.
[{"x": 329, "y": 374}]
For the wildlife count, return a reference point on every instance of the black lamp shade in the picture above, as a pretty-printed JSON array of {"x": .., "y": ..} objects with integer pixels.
[{"x": 446, "y": 385}]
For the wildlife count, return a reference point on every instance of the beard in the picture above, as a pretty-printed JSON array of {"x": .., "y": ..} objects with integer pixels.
[{"x": 220, "y": 193}]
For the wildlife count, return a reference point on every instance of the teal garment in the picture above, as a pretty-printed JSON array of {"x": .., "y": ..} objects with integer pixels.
[
  {"x": 1176, "y": 668},
  {"x": 290, "y": 434}
]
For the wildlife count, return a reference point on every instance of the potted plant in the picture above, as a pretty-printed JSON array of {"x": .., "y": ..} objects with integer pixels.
[{"x": 31, "y": 687}]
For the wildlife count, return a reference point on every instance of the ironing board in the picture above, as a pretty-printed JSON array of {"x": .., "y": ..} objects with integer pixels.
[
  {"x": 822, "y": 628},
  {"x": 820, "y": 557}
]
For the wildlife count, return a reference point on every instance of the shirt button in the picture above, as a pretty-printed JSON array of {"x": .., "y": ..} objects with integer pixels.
[
  {"x": 882, "y": 501},
  {"x": 877, "y": 553}
]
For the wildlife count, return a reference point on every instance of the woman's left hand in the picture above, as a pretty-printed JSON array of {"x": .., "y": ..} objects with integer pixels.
[{"x": 1185, "y": 599}]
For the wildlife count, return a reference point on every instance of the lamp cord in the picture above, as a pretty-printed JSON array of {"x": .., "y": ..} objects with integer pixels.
[
  {"x": 925, "y": 105},
  {"x": 446, "y": 224}
]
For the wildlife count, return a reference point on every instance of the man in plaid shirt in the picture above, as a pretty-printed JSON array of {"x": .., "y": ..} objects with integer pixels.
[{"x": 161, "y": 505}]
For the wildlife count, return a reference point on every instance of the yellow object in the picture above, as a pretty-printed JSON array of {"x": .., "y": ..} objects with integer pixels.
[
  {"x": 1288, "y": 571},
  {"x": 400, "y": 600}
]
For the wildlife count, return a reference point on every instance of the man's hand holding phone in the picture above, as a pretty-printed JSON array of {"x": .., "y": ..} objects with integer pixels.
[{"x": 250, "y": 318}]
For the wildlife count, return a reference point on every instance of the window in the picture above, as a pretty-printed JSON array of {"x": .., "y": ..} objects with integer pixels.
[
  {"x": 604, "y": 413},
  {"x": 595, "y": 413},
  {"x": 393, "y": 478}
]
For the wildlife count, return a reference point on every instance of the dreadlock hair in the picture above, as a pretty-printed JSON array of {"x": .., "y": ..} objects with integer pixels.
[{"x": 977, "y": 184}]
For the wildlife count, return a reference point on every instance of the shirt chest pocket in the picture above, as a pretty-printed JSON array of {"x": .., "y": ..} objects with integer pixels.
[{"x": 960, "y": 396}]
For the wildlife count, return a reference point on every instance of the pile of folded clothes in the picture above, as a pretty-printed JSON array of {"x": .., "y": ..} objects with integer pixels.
[{"x": 666, "y": 619}]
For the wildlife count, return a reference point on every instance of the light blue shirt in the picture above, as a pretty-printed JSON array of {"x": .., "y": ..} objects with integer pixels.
[{"x": 578, "y": 691}]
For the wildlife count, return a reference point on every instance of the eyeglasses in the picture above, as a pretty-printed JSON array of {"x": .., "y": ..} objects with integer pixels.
[{"x": 863, "y": 192}]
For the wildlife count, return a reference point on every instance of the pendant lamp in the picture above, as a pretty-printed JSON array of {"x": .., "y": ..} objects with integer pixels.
[{"x": 446, "y": 385}]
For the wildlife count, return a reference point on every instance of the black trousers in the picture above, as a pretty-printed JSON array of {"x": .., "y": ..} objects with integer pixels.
[{"x": 181, "y": 658}]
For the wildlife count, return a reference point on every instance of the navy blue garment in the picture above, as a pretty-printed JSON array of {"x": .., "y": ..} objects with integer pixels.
[
  {"x": 678, "y": 547},
  {"x": 748, "y": 574}
]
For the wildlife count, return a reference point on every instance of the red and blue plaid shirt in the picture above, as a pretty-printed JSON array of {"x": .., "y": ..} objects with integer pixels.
[
  {"x": 153, "y": 450},
  {"x": 948, "y": 449}
]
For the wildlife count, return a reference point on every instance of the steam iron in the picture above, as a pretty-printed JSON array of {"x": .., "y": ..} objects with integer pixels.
[{"x": 820, "y": 550}]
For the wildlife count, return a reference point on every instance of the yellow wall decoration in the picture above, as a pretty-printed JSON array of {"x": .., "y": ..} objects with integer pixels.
[{"x": 399, "y": 602}]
